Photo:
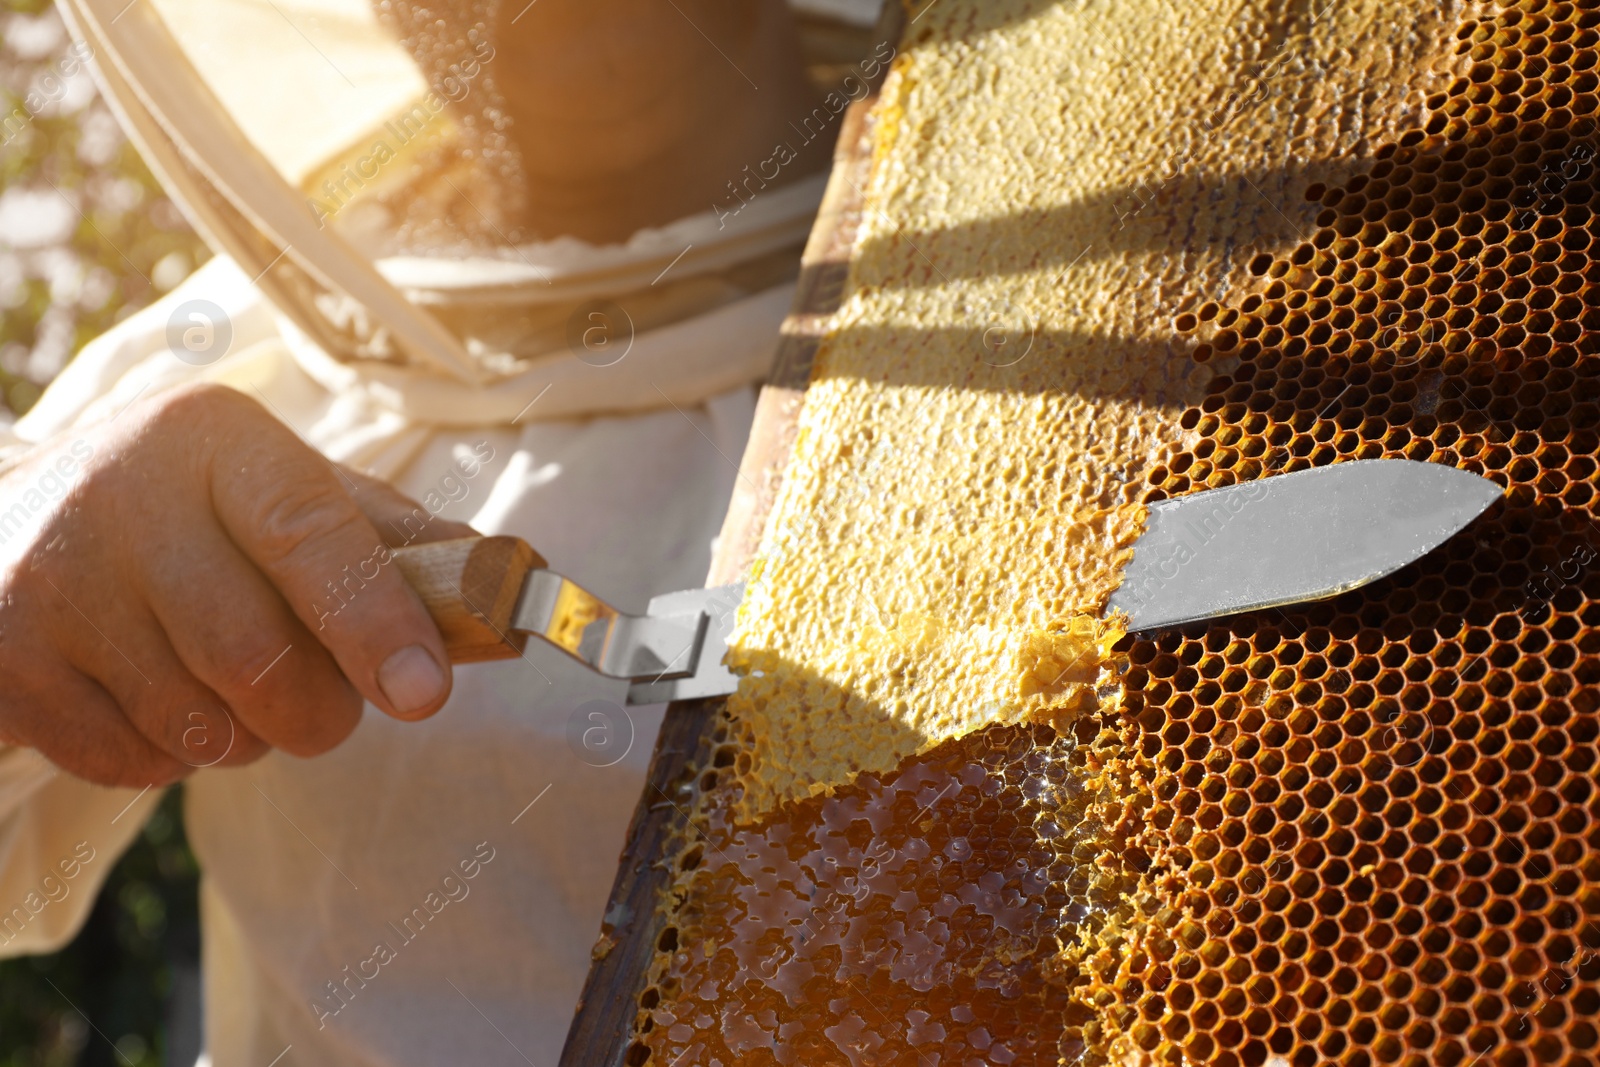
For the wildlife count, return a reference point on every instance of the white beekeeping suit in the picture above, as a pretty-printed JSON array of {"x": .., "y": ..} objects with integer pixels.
[{"x": 425, "y": 892}]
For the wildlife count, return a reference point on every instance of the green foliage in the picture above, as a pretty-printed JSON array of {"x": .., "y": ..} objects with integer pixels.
[{"x": 101, "y": 1001}]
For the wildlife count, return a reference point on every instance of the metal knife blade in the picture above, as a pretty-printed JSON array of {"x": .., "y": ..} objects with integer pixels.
[{"x": 1292, "y": 538}]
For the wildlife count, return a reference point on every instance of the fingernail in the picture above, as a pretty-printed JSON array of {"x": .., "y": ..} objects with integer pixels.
[{"x": 411, "y": 679}]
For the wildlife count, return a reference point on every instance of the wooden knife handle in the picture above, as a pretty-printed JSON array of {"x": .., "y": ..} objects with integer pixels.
[{"x": 470, "y": 587}]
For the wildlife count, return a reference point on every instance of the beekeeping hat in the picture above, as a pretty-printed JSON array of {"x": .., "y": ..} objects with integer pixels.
[{"x": 280, "y": 125}]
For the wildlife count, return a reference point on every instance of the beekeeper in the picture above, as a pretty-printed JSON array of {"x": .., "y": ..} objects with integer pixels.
[{"x": 524, "y": 267}]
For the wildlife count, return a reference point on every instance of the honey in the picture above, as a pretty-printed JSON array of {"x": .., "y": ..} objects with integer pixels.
[
  {"x": 1358, "y": 832},
  {"x": 904, "y": 916}
]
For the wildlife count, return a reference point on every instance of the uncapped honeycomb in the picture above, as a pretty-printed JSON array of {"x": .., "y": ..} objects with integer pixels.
[
  {"x": 1360, "y": 832},
  {"x": 936, "y": 885}
]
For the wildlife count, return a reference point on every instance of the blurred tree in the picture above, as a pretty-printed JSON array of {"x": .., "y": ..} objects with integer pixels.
[{"x": 87, "y": 237}]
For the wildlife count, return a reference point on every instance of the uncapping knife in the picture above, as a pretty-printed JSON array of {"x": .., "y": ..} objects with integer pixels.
[
  {"x": 489, "y": 594},
  {"x": 1282, "y": 540}
]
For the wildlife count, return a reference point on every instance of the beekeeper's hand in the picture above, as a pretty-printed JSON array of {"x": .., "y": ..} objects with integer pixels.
[{"x": 164, "y": 587}]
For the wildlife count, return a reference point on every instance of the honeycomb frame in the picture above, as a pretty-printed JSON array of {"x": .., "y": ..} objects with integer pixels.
[{"x": 1357, "y": 832}]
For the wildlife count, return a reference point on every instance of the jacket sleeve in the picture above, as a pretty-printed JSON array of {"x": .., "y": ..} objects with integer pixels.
[{"x": 59, "y": 838}]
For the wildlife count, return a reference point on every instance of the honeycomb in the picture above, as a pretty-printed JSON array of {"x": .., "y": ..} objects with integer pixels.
[
  {"x": 1354, "y": 832},
  {"x": 1377, "y": 810},
  {"x": 933, "y": 892}
]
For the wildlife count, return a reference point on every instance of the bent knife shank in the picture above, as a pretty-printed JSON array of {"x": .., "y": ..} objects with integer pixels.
[{"x": 488, "y": 595}]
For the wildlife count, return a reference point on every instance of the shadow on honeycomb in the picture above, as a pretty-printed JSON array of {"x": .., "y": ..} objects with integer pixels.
[
  {"x": 1378, "y": 810},
  {"x": 1364, "y": 832}
]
